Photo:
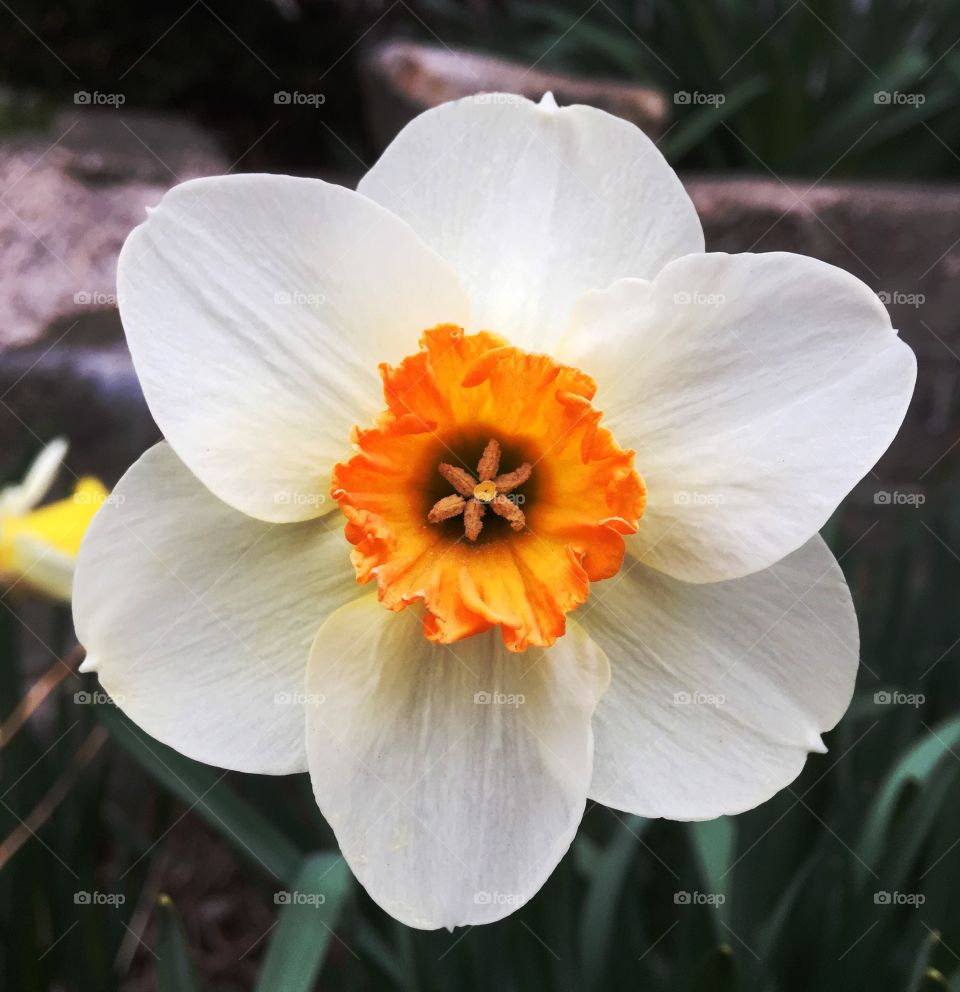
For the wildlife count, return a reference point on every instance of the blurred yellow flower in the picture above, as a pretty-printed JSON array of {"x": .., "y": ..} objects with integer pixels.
[{"x": 38, "y": 546}]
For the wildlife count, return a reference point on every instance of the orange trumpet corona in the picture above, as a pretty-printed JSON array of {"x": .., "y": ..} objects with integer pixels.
[{"x": 417, "y": 493}]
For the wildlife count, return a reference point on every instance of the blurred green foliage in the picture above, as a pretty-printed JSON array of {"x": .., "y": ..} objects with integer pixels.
[
  {"x": 853, "y": 87},
  {"x": 805, "y": 877},
  {"x": 845, "y": 880},
  {"x": 857, "y": 87}
]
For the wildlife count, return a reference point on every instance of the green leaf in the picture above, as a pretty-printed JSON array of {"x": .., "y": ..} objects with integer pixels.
[
  {"x": 695, "y": 127},
  {"x": 598, "y": 923},
  {"x": 915, "y": 767},
  {"x": 922, "y": 963},
  {"x": 855, "y": 114},
  {"x": 378, "y": 950},
  {"x": 175, "y": 971},
  {"x": 954, "y": 983},
  {"x": 307, "y": 920},
  {"x": 205, "y": 792},
  {"x": 586, "y": 855},
  {"x": 912, "y": 831},
  {"x": 714, "y": 843},
  {"x": 776, "y": 928}
]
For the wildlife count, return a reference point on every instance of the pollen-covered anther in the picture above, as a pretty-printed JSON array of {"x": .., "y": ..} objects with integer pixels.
[
  {"x": 506, "y": 508},
  {"x": 489, "y": 461},
  {"x": 474, "y": 495},
  {"x": 459, "y": 478},
  {"x": 444, "y": 509},
  {"x": 473, "y": 519},
  {"x": 511, "y": 480}
]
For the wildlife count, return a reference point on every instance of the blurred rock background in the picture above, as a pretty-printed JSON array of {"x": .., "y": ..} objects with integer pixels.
[{"x": 767, "y": 113}]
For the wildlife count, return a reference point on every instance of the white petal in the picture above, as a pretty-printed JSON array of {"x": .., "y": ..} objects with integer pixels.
[
  {"x": 718, "y": 690},
  {"x": 257, "y": 309},
  {"x": 199, "y": 619},
  {"x": 757, "y": 391},
  {"x": 534, "y": 205},
  {"x": 23, "y": 497},
  {"x": 450, "y": 810}
]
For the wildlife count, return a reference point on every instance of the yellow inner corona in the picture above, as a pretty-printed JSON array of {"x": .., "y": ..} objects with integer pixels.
[{"x": 487, "y": 490}]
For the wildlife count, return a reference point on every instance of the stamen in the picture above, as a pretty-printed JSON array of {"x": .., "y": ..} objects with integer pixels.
[
  {"x": 508, "y": 482},
  {"x": 472, "y": 497},
  {"x": 473, "y": 519},
  {"x": 489, "y": 461},
  {"x": 459, "y": 478},
  {"x": 506, "y": 508},
  {"x": 444, "y": 509}
]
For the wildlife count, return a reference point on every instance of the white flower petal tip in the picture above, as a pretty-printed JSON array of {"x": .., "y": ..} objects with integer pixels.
[
  {"x": 768, "y": 386},
  {"x": 257, "y": 309},
  {"x": 199, "y": 619},
  {"x": 719, "y": 691},
  {"x": 454, "y": 776},
  {"x": 548, "y": 101},
  {"x": 548, "y": 218},
  {"x": 89, "y": 664}
]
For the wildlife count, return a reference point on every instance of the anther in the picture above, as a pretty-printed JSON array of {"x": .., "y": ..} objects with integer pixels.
[{"x": 474, "y": 495}]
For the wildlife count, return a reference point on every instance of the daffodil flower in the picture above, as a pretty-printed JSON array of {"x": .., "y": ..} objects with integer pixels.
[
  {"x": 38, "y": 547},
  {"x": 580, "y": 555}
]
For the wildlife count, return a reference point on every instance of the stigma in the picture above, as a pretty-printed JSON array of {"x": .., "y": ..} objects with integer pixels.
[{"x": 474, "y": 493}]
